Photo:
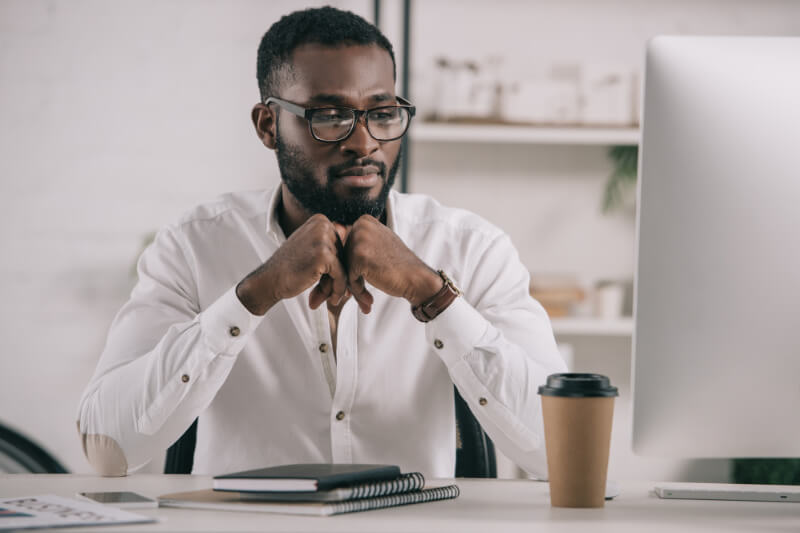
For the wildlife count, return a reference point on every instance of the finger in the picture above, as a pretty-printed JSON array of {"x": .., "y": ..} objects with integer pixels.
[
  {"x": 338, "y": 279},
  {"x": 320, "y": 292},
  {"x": 358, "y": 289},
  {"x": 340, "y": 247},
  {"x": 342, "y": 231}
]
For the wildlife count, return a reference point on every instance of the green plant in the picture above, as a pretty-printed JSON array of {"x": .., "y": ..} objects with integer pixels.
[
  {"x": 625, "y": 159},
  {"x": 766, "y": 471}
]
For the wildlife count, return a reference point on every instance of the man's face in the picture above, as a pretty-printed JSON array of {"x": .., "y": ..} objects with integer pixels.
[{"x": 349, "y": 178}]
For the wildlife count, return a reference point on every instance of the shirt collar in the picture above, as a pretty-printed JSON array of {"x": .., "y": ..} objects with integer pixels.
[
  {"x": 274, "y": 229},
  {"x": 391, "y": 220},
  {"x": 273, "y": 222}
]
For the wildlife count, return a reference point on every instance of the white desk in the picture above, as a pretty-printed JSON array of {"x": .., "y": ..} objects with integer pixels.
[{"x": 485, "y": 506}]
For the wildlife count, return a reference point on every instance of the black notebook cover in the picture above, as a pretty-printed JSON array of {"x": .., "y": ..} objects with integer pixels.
[
  {"x": 304, "y": 477},
  {"x": 405, "y": 483}
]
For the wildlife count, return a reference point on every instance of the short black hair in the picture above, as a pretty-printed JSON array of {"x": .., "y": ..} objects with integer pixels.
[{"x": 325, "y": 25}]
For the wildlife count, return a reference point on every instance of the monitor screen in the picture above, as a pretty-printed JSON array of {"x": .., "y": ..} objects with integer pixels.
[{"x": 716, "y": 348}]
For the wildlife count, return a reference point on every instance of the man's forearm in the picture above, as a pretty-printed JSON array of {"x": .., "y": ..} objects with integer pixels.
[{"x": 143, "y": 404}]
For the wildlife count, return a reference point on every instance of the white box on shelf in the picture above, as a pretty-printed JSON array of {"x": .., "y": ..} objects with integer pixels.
[
  {"x": 540, "y": 101},
  {"x": 607, "y": 96}
]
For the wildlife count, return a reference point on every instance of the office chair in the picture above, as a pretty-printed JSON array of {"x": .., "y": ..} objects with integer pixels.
[
  {"x": 18, "y": 455},
  {"x": 475, "y": 455}
]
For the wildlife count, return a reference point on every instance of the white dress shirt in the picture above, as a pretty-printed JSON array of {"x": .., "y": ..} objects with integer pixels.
[{"x": 269, "y": 390}]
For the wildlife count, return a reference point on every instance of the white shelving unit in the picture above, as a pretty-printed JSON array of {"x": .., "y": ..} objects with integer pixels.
[
  {"x": 432, "y": 132},
  {"x": 521, "y": 134}
]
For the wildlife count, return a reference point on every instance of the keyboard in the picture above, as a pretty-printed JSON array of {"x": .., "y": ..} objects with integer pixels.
[{"x": 728, "y": 491}]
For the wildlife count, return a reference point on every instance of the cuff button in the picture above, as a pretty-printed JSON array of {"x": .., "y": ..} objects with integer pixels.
[
  {"x": 234, "y": 331},
  {"x": 439, "y": 344}
]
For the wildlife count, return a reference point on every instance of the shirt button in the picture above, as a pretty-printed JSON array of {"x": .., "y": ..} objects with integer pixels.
[
  {"x": 439, "y": 344},
  {"x": 483, "y": 401},
  {"x": 340, "y": 415},
  {"x": 234, "y": 331},
  {"x": 185, "y": 378},
  {"x": 323, "y": 348}
]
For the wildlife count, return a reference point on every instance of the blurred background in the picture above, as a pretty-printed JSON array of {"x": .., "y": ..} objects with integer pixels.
[{"x": 118, "y": 116}]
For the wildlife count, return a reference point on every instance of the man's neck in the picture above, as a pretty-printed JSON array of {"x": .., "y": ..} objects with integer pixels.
[{"x": 291, "y": 215}]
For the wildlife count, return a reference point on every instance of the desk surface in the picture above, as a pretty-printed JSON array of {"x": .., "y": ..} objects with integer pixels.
[{"x": 493, "y": 506}]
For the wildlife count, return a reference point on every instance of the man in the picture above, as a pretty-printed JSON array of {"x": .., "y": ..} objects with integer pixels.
[{"x": 344, "y": 341}]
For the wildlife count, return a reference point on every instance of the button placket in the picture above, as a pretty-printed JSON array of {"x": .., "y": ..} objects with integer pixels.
[
  {"x": 323, "y": 347},
  {"x": 346, "y": 382}
]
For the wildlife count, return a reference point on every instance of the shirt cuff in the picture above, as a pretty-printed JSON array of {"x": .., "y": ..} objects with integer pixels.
[
  {"x": 456, "y": 331},
  {"x": 227, "y": 324}
]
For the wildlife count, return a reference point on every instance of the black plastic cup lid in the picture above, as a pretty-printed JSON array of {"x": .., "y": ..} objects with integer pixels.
[{"x": 572, "y": 385}]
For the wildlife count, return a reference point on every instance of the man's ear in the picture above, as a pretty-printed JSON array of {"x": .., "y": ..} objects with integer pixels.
[{"x": 264, "y": 122}]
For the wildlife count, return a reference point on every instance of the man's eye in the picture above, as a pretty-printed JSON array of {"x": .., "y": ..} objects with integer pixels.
[{"x": 331, "y": 115}]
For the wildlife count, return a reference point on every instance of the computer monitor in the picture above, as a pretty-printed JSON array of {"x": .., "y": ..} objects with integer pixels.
[{"x": 716, "y": 347}]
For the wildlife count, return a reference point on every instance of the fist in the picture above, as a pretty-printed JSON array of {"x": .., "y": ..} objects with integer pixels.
[
  {"x": 374, "y": 253},
  {"x": 310, "y": 255}
]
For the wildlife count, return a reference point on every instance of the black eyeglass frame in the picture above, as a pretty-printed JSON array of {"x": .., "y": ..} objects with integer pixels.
[{"x": 308, "y": 112}]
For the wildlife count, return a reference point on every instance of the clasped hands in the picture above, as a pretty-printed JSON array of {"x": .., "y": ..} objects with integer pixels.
[{"x": 337, "y": 260}]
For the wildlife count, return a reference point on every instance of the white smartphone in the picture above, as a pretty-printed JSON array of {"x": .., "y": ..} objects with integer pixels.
[{"x": 126, "y": 500}]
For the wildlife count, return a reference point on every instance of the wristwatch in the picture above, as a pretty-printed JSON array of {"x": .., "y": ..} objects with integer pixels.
[{"x": 430, "y": 309}]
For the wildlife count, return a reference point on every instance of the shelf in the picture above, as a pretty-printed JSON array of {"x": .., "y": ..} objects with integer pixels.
[
  {"x": 500, "y": 133},
  {"x": 621, "y": 327}
]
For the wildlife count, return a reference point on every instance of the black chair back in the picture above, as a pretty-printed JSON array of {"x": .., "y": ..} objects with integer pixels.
[
  {"x": 180, "y": 456},
  {"x": 19, "y": 454},
  {"x": 475, "y": 456}
]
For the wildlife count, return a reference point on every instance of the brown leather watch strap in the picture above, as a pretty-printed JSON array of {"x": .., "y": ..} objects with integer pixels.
[{"x": 430, "y": 309}]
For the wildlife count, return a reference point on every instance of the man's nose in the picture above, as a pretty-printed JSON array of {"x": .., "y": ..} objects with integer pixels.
[{"x": 360, "y": 143}]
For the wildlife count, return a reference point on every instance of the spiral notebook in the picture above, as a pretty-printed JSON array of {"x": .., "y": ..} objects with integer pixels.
[{"x": 227, "y": 501}]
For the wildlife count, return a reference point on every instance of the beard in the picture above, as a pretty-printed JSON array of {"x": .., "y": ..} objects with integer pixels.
[{"x": 297, "y": 172}]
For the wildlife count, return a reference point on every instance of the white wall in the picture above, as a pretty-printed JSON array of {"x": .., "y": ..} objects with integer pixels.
[{"x": 118, "y": 116}]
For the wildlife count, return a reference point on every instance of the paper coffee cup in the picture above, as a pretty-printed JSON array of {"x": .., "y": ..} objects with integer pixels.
[{"x": 578, "y": 410}]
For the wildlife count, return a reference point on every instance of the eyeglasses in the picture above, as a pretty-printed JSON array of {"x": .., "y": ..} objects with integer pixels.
[{"x": 334, "y": 124}]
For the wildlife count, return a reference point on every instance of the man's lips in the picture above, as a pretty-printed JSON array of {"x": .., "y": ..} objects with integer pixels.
[
  {"x": 358, "y": 171},
  {"x": 359, "y": 176}
]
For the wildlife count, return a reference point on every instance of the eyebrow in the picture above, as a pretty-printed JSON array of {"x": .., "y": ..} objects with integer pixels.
[{"x": 336, "y": 99}]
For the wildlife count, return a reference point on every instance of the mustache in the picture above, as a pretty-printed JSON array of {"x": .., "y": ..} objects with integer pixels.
[{"x": 335, "y": 171}]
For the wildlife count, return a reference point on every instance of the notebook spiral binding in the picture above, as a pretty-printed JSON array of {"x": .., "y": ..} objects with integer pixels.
[
  {"x": 405, "y": 483},
  {"x": 420, "y": 496}
]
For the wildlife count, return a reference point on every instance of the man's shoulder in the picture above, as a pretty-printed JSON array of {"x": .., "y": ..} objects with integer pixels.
[
  {"x": 414, "y": 212},
  {"x": 232, "y": 206}
]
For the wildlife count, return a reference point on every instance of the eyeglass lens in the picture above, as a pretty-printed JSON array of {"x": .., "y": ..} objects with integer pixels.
[{"x": 383, "y": 123}]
